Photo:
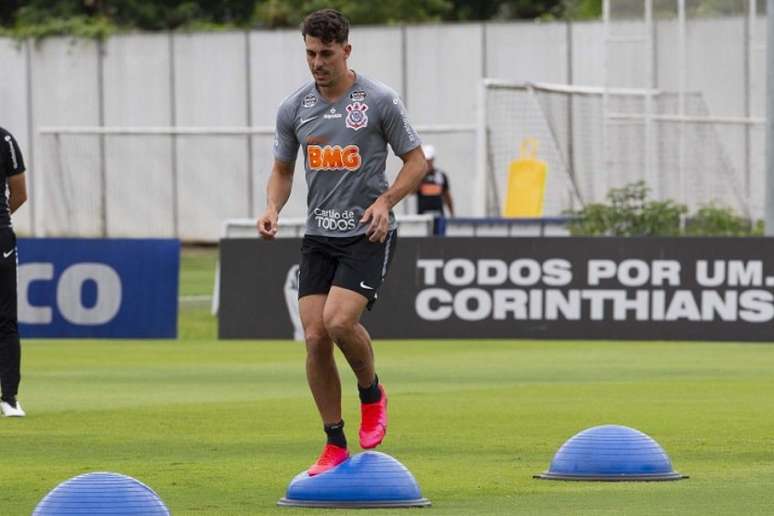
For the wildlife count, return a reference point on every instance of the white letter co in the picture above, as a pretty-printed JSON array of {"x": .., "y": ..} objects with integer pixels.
[{"x": 69, "y": 293}]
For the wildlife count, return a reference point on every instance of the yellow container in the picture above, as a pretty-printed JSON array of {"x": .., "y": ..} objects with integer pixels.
[{"x": 526, "y": 183}]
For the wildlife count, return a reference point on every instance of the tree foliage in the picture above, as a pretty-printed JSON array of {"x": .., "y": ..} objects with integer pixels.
[
  {"x": 96, "y": 17},
  {"x": 289, "y": 13}
]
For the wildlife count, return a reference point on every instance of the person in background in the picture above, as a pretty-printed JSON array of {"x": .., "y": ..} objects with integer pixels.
[
  {"x": 433, "y": 192},
  {"x": 12, "y": 178}
]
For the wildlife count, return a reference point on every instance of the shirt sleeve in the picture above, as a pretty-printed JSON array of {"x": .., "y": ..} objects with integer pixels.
[
  {"x": 397, "y": 128},
  {"x": 445, "y": 182},
  {"x": 10, "y": 155},
  {"x": 285, "y": 141}
]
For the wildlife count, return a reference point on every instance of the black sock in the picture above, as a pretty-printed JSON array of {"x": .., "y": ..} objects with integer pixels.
[
  {"x": 370, "y": 394},
  {"x": 335, "y": 433},
  {"x": 11, "y": 400}
]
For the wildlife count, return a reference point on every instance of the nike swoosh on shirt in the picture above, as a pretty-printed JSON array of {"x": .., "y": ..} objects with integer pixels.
[
  {"x": 363, "y": 285},
  {"x": 9, "y": 253},
  {"x": 306, "y": 120}
]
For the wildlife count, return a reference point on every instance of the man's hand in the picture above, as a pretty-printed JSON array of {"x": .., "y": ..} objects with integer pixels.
[
  {"x": 409, "y": 177},
  {"x": 267, "y": 224},
  {"x": 378, "y": 214}
]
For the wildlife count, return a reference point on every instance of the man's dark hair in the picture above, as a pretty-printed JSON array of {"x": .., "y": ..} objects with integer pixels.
[{"x": 327, "y": 25}]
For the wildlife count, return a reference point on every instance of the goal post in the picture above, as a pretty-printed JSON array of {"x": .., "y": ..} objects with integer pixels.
[{"x": 181, "y": 182}]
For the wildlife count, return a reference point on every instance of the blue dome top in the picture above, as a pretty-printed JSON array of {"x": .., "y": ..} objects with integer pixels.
[
  {"x": 611, "y": 452},
  {"x": 101, "y": 493},
  {"x": 369, "y": 479}
]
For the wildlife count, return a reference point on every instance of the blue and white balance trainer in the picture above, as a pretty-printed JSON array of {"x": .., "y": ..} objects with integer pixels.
[
  {"x": 611, "y": 453},
  {"x": 101, "y": 493},
  {"x": 367, "y": 480}
]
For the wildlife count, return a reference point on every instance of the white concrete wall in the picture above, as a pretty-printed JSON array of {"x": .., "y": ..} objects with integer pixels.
[
  {"x": 514, "y": 52},
  {"x": 138, "y": 94},
  {"x": 67, "y": 195},
  {"x": 211, "y": 89},
  {"x": 588, "y": 53},
  {"x": 238, "y": 79},
  {"x": 444, "y": 67},
  {"x": 277, "y": 68},
  {"x": 376, "y": 53}
]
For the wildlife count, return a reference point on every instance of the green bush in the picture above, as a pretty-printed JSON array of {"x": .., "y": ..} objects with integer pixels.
[
  {"x": 628, "y": 213},
  {"x": 713, "y": 220}
]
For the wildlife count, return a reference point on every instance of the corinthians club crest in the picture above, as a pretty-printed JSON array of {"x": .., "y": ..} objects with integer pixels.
[{"x": 356, "y": 117}]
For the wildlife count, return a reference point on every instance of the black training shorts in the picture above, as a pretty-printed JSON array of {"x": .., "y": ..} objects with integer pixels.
[
  {"x": 8, "y": 318},
  {"x": 352, "y": 263}
]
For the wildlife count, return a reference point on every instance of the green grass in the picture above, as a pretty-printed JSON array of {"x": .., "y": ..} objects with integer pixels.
[
  {"x": 197, "y": 269},
  {"x": 220, "y": 427},
  {"x": 197, "y": 277}
]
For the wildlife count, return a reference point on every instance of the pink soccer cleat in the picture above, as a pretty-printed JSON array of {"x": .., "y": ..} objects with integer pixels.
[
  {"x": 330, "y": 457},
  {"x": 373, "y": 422}
]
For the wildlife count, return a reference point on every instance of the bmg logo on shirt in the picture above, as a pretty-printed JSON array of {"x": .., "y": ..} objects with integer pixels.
[{"x": 333, "y": 157}]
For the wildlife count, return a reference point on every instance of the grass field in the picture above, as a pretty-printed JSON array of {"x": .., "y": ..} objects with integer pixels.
[{"x": 221, "y": 427}]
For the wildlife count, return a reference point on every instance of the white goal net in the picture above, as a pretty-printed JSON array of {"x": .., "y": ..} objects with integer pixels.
[{"x": 594, "y": 139}]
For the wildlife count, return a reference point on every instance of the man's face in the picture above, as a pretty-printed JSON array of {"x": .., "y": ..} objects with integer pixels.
[{"x": 327, "y": 61}]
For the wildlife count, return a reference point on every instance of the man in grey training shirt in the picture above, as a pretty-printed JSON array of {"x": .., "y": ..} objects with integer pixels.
[{"x": 343, "y": 123}]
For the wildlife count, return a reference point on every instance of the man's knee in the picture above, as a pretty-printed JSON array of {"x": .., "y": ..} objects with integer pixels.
[
  {"x": 339, "y": 325},
  {"x": 318, "y": 342}
]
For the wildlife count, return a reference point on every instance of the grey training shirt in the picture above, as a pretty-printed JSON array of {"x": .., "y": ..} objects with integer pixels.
[{"x": 345, "y": 150}]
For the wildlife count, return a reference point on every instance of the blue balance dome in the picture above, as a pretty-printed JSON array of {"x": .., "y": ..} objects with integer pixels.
[
  {"x": 611, "y": 452},
  {"x": 367, "y": 480},
  {"x": 101, "y": 493}
]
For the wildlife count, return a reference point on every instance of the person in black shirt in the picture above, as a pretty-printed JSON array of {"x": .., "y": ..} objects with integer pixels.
[
  {"x": 433, "y": 192},
  {"x": 11, "y": 177}
]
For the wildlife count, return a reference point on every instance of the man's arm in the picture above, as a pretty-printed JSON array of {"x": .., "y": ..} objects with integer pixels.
[
  {"x": 13, "y": 164},
  {"x": 17, "y": 191},
  {"x": 277, "y": 194},
  {"x": 418, "y": 188},
  {"x": 446, "y": 196},
  {"x": 411, "y": 173},
  {"x": 447, "y": 199}
]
